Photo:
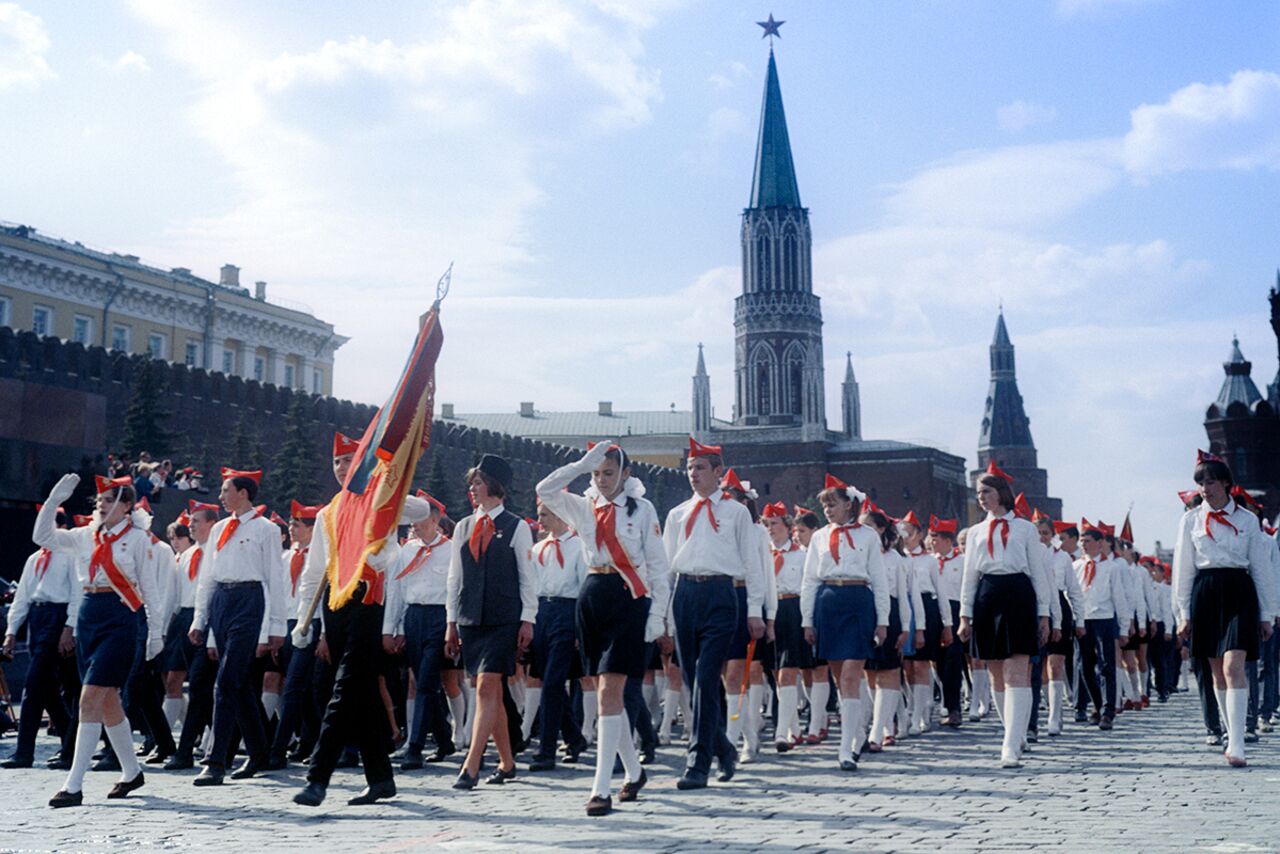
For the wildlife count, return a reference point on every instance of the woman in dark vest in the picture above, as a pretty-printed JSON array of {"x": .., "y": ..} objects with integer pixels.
[{"x": 492, "y": 603}]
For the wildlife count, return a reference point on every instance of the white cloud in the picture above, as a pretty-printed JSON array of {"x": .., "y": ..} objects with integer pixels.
[
  {"x": 23, "y": 45},
  {"x": 1019, "y": 115},
  {"x": 131, "y": 61},
  {"x": 1235, "y": 125}
]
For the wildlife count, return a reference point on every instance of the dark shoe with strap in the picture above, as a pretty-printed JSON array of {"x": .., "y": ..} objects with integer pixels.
[
  {"x": 157, "y": 758},
  {"x": 648, "y": 756},
  {"x": 599, "y": 806},
  {"x": 573, "y": 751},
  {"x": 311, "y": 796},
  {"x": 692, "y": 779},
  {"x": 631, "y": 790},
  {"x": 121, "y": 790},
  {"x": 465, "y": 781},
  {"x": 498, "y": 777},
  {"x": 179, "y": 762},
  {"x": 374, "y": 792},
  {"x": 212, "y": 775},
  {"x": 66, "y": 799}
]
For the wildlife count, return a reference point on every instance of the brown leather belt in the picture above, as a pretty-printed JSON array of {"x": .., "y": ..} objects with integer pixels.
[
  {"x": 99, "y": 590},
  {"x": 699, "y": 579},
  {"x": 603, "y": 570},
  {"x": 738, "y": 582},
  {"x": 846, "y": 582},
  {"x": 782, "y": 596}
]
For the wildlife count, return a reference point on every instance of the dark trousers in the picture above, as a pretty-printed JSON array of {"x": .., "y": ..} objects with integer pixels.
[
  {"x": 235, "y": 618},
  {"x": 952, "y": 666},
  {"x": 144, "y": 691},
  {"x": 1037, "y": 681},
  {"x": 200, "y": 679},
  {"x": 355, "y": 714},
  {"x": 706, "y": 615},
  {"x": 554, "y": 646},
  {"x": 45, "y": 622},
  {"x": 1251, "y": 716},
  {"x": 638, "y": 710},
  {"x": 1208, "y": 701},
  {"x": 1158, "y": 651},
  {"x": 299, "y": 711},
  {"x": 1098, "y": 659},
  {"x": 1270, "y": 657},
  {"x": 424, "y": 627}
]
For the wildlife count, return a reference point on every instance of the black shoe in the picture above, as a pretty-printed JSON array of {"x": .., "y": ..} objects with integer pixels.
[
  {"x": 298, "y": 756},
  {"x": 311, "y": 796},
  {"x": 106, "y": 763},
  {"x": 148, "y": 745},
  {"x": 179, "y": 762},
  {"x": 542, "y": 763},
  {"x": 120, "y": 790},
  {"x": 648, "y": 756},
  {"x": 157, "y": 758},
  {"x": 1106, "y": 723},
  {"x": 442, "y": 753},
  {"x": 465, "y": 781},
  {"x": 211, "y": 776},
  {"x": 497, "y": 778},
  {"x": 573, "y": 751},
  {"x": 17, "y": 762},
  {"x": 631, "y": 790},
  {"x": 599, "y": 806},
  {"x": 1095, "y": 719},
  {"x": 275, "y": 762},
  {"x": 348, "y": 759},
  {"x": 1250, "y": 737},
  {"x": 728, "y": 766},
  {"x": 58, "y": 762},
  {"x": 374, "y": 792},
  {"x": 692, "y": 780},
  {"x": 250, "y": 767},
  {"x": 1082, "y": 717},
  {"x": 848, "y": 765},
  {"x": 1032, "y": 736},
  {"x": 412, "y": 761},
  {"x": 66, "y": 799}
]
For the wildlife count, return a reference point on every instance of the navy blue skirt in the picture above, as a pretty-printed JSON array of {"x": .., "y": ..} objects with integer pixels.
[
  {"x": 1005, "y": 622},
  {"x": 886, "y": 655},
  {"x": 741, "y": 636},
  {"x": 106, "y": 640},
  {"x": 610, "y": 625},
  {"x": 178, "y": 648},
  {"x": 1224, "y": 613},
  {"x": 792, "y": 651},
  {"x": 489, "y": 649},
  {"x": 932, "y": 649},
  {"x": 844, "y": 618}
]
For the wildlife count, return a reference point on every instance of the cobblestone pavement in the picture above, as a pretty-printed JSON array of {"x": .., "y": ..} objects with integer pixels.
[{"x": 1149, "y": 784}]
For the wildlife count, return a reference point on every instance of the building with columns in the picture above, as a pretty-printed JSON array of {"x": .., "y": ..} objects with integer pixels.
[{"x": 62, "y": 289}]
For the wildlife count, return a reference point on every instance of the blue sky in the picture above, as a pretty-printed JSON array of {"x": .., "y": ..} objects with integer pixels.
[{"x": 1107, "y": 168}]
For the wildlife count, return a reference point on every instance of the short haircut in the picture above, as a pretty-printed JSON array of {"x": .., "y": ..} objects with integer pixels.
[
  {"x": 246, "y": 485},
  {"x": 810, "y": 520},
  {"x": 205, "y": 514},
  {"x": 177, "y": 529},
  {"x": 1214, "y": 470},
  {"x": 1001, "y": 486},
  {"x": 716, "y": 460},
  {"x": 1092, "y": 535},
  {"x": 490, "y": 483},
  {"x": 1073, "y": 531},
  {"x": 311, "y": 522},
  {"x": 945, "y": 534}
]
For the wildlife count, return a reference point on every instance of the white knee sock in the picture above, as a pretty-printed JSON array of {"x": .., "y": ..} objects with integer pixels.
[
  {"x": 589, "y": 712},
  {"x": 87, "y": 735},
  {"x": 609, "y": 728},
  {"x": 670, "y": 708},
  {"x": 1057, "y": 691},
  {"x": 755, "y": 715},
  {"x": 818, "y": 696},
  {"x": 788, "y": 712},
  {"x": 470, "y": 691},
  {"x": 733, "y": 727},
  {"x": 1135, "y": 685},
  {"x": 458, "y": 711},
  {"x": 174, "y": 710},
  {"x": 882, "y": 717},
  {"x": 532, "y": 697},
  {"x": 1237, "y": 707},
  {"x": 924, "y": 705},
  {"x": 121, "y": 738},
  {"x": 1220, "y": 694},
  {"x": 270, "y": 703},
  {"x": 1017, "y": 710},
  {"x": 686, "y": 713},
  {"x": 649, "y": 691},
  {"x": 850, "y": 726},
  {"x": 627, "y": 751},
  {"x": 981, "y": 691},
  {"x": 999, "y": 704}
]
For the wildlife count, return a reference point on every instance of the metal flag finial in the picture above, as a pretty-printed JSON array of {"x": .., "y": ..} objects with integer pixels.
[{"x": 442, "y": 286}]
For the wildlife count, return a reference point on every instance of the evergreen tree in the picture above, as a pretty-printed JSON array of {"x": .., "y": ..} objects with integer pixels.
[
  {"x": 144, "y": 419},
  {"x": 438, "y": 486},
  {"x": 239, "y": 446},
  {"x": 293, "y": 471}
]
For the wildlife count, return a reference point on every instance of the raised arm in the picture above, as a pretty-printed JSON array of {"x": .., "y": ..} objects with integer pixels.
[
  {"x": 575, "y": 510},
  {"x": 46, "y": 532}
]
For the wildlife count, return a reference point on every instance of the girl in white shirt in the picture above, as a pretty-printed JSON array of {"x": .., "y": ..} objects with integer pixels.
[
  {"x": 886, "y": 662},
  {"x": 816, "y": 679},
  {"x": 791, "y": 652}
]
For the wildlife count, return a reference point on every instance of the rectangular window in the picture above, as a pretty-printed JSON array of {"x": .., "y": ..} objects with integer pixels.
[
  {"x": 156, "y": 345},
  {"x": 288, "y": 376},
  {"x": 120, "y": 338},
  {"x": 4, "y": 311},
  {"x": 193, "y": 354},
  {"x": 317, "y": 381},
  {"x": 42, "y": 320},
  {"x": 82, "y": 330},
  {"x": 228, "y": 362},
  {"x": 259, "y": 368}
]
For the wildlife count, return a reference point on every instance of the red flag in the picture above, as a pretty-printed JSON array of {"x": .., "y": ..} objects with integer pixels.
[
  {"x": 366, "y": 510},
  {"x": 1126, "y": 530}
]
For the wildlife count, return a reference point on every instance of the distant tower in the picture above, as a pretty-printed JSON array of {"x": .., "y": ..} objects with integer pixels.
[
  {"x": 1243, "y": 428},
  {"x": 1273, "y": 390},
  {"x": 1006, "y": 430},
  {"x": 777, "y": 319},
  {"x": 701, "y": 397},
  {"x": 850, "y": 404}
]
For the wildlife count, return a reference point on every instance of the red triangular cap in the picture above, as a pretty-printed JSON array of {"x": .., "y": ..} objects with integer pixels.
[
  {"x": 1021, "y": 508},
  {"x": 183, "y": 518},
  {"x": 344, "y": 445},
  {"x": 777, "y": 510},
  {"x": 730, "y": 481},
  {"x": 833, "y": 482},
  {"x": 1208, "y": 457},
  {"x": 1038, "y": 517},
  {"x": 1063, "y": 527},
  {"x": 255, "y": 476},
  {"x": 298, "y": 510},
  {"x": 1088, "y": 527},
  {"x": 994, "y": 469},
  {"x": 275, "y": 518},
  {"x": 193, "y": 506},
  {"x": 697, "y": 449},
  {"x": 145, "y": 506},
  {"x": 912, "y": 519},
  {"x": 943, "y": 526},
  {"x": 432, "y": 500},
  {"x": 106, "y": 484},
  {"x": 1187, "y": 495}
]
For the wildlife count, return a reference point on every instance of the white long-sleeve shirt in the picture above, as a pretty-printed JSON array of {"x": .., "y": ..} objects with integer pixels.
[
  {"x": 313, "y": 573},
  {"x": 1133, "y": 578},
  {"x": 425, "y": 583},
  {"x": 789, "y": 578},
  {"x": 1065, "y": 581},
  {"x": 131, "y": 554},
  {"x": 57, "y": 584},
  {"x": 730, "y": 547},
  {"x": 166, "y": 570},
  {"x": 1024, "y": 553},
  {"x": 1237, "y": 542},
  {"x": 182, "y": 572},
  {"x": 1055, "y": 604},
  {"x": 1105, "y": 597},
  {"x": 252, "y": 553},
  {"x": 950, "y": 569},
  {"x": 765, "y": 558},
  {"x": 637, "y": 532},
  {"x": 521, "y": 543},
  {"x": 899, "y": 569},
  {"x": 560, "y": 572},
  {"x": 926, "y": 580},
  {"x": 861, "y": 560}
]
